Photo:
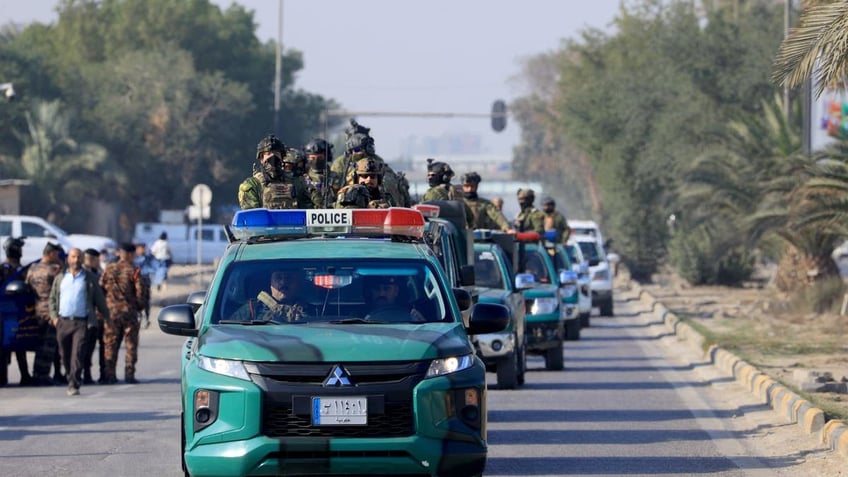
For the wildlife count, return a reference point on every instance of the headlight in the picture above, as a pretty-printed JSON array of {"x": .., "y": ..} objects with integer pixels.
[
  {"x": 439, "y": 367},
  {"x": 224, "y": 367},
  {"x": 602, "y": 274},
  {"x": 543, "y": 305}
]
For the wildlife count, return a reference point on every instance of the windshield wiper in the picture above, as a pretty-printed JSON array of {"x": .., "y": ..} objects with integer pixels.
[{"x": 355, "y": 321}]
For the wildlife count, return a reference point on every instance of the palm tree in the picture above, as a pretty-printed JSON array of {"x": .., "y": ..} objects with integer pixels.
[
  {"x": 65, "y": 172},
  {"x": 821, "y": 37}
]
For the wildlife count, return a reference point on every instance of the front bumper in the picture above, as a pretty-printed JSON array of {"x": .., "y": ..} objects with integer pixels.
[
  {"x": 544, "y": 331},
  {"x": 258, "y": 429}
]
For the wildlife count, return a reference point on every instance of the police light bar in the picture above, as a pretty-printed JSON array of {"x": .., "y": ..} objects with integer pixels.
[
  {"x": 427, "y": 210},
  {"x": 527, "y": 237},
  {"x": 482, "y": 234},
  {"x": 254, "y": 223}
]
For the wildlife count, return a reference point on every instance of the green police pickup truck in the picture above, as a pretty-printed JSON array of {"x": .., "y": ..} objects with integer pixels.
[{"x": 330, "y": 342}]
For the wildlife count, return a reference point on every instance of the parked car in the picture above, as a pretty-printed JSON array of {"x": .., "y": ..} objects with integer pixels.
[
  {"x": 38, "y": 232},
  {"x": 495, "y": 262},
  {"x": 599, "y": 266}
]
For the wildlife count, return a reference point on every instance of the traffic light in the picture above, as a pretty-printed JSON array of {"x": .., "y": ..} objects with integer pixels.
[{"x": 499, "y": 116}]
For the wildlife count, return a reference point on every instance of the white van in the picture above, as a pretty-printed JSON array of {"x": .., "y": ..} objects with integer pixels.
[
  {"x": 183, "y": 240},
  {"x": 37, "y": 232}
]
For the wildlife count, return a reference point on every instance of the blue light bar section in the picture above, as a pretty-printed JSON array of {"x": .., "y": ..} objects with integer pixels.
[
  {"x": 264, "y": 222},
  {"x": 482, "y": 234},
  {"x": 550, "y": 235}
]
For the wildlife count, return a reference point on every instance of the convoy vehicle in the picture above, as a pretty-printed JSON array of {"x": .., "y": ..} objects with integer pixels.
[
  {"x": 572, "y": 299},
  {"x": 184, "y": 241},
  {"x": 39, "y": 231},
  {"x": 546, "y": 312},
  {"x": 599, "y": 267},
  {"x": 495, "y": 262},
  {"x": 584, "y": 280},
  {"x": 334, "y": 382},
  {"x": 586, "y": 227}
]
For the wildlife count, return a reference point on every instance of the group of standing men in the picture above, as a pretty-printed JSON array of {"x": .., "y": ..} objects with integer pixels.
[
  {"x": 79, "y": 305},
  {"x": 290, "y": 178}
]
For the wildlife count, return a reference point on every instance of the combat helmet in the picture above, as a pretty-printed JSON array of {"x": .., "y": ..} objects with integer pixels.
[
  {"x": 471, "y": 178},
  {"x": 294, "y": 160},
  {"x": 359, "y": 143},
  {"x": 320, "y": 147},
  {"x": 270, "y": 143},
  {"x": 438, "y": 172}
]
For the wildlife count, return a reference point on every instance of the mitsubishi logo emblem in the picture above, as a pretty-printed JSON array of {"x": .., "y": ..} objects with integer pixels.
[{"x": 338, "y": 377}]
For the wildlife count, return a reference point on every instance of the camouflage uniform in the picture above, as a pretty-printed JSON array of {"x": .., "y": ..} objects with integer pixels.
[
  {"x": 126, "y": 297},
  {"x": 530, "y": 218},
  {"x": 486, "y": 215},
  {"x": 318, "y": 184},
  {"x": 377, "y": 197},
  {"x": 40, "y": 278},
  {"x": 354, "y": 196},
  {"x": 265, "y": 307}
]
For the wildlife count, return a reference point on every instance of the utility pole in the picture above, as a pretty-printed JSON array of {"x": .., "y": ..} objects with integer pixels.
[
  {"x": 787, "y": 14},
  {"x": 278, "y": 76}
]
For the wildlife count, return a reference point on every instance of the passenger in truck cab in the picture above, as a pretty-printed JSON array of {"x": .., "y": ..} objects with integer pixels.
[{"x": 283, "y": 300}]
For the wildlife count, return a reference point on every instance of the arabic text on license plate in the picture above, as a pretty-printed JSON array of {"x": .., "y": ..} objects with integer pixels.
[{"x": 339, "y": 411}]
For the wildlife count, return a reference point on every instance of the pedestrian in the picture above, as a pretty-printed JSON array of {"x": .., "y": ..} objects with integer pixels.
[
  {"x": 161, "y": 251},
  {"x": 486, "y": 215},
  {"x": 273, "y": 184},
  {"x": 94, "y": 335},
  {"x": 125, "y": 299},
  {"x": 40, "y": 278},
  {"x": 74, "y": 296},
  {"x": 530, "y": 218},
  {"x": 554, "y": 220},
  {"x": 10, "y": 270}
]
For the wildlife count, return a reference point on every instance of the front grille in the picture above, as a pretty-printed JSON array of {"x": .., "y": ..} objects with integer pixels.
[
  {"x": 279, "y": 421},
  {"x": 288, "y": 389}
]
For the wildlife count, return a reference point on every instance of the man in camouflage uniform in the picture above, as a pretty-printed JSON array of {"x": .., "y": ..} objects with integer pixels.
[
  {"x": 274, "y": 184},
  {"x": 498, "y": 203},
  {"x": 318, "y": 152},
  {"x": 282, "y": 302},
  {"x": 554, "y": 220},
  {"x": 486, "y": 215},
  {"x": 126, "y": 297},
  {"x": 370, "y": 174},
  {"x": 40, "y": 278},
  {"x": 530, "y": 218},
  {"x": 359, "y": 143},
  {"x": 10, "y": 270},
  {"x": 439, "y": 175},
  {"x": 354, "y": 196}
]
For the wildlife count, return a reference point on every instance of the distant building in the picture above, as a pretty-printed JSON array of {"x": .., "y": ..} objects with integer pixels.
[{"x": 10, "y": 195}]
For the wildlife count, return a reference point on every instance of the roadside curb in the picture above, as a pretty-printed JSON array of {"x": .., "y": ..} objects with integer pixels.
[{"x": 785, "y": 402}]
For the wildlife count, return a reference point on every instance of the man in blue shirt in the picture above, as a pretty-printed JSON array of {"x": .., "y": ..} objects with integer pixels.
[{"x": 73, "y": 298}]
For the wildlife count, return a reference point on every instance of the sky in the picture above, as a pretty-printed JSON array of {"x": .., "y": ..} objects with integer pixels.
[{"x": 434, "y": 56}]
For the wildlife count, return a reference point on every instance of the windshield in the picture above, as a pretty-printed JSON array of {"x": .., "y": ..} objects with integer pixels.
[
  {"x": 590, "y": 250},
  {"x": 535, "y": 264},
  {"x": 572, "y": 253},
  {"x": 561, "y": 261},
  {"x": 487, "y": 271},
  {"x": 337, "y": 291}
]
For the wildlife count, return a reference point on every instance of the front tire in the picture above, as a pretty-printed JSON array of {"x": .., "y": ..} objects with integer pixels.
[
  {"x": 584, "y": 319},
  {"x": 553, "y": 358},
  {"x": 508, "y": 371},
  {"x": 572, "y": 329},
  {"x": 183, "y": 445},
  {"x": 606, "y": 307}
]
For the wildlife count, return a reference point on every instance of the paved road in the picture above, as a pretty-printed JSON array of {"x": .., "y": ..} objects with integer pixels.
[{"x": 628, "y": 403}]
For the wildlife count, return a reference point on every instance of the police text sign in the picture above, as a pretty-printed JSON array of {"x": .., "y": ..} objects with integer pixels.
[{"x": 329, "y": 217}]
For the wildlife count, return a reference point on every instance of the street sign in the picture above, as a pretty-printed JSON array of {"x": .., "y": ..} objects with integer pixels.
[
  {"x": 196, "y": 212},
  {"x": 201, "y": 194}
]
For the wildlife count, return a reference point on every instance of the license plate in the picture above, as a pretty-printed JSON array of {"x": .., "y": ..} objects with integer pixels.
[{"x": 339, "y": 411}]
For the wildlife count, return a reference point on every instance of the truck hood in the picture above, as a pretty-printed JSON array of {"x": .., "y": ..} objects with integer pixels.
[
  {"x": 338, "y": 343},
  {"x": 493, "y": 295}
]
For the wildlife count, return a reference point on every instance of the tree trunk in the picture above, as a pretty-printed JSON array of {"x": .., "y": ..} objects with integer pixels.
[{"x": 797, "y": 271}]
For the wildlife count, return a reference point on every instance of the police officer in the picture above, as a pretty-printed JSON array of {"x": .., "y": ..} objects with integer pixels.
[
  {"x": 318, "y": 152},
  {"x": 40, "y": 278},
  {"x": 125, "y": 299},
  {"x": 94, "y": 335},
  {"x": 370, "y": 174},
  {"x": 554, "y": 220},
  {"x": 486, "y": 215},
  {"x": 274, "y": 184},
  {"x": 530, "y": 218},
  {"x": 10, "y": 270},
  {"x": 358, "y": 145}
]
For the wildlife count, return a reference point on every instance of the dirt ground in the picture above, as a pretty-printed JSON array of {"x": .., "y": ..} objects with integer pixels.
[{"x": 755, "y": 324}]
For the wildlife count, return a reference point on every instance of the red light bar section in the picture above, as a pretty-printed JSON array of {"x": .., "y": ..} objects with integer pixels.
[
  {"x": 527, "y": 237},
  {"x": 427, "y": 210}
]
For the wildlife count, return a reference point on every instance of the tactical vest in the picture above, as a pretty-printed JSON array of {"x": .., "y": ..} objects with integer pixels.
[
  {"x": 475, "y": 205},
  {"x": 279, "y": 195}
]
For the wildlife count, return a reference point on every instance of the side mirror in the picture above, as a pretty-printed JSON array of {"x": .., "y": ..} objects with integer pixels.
[
  {"x": 524, "y": 281},
  {"x": 466, "y": 275},
  {"x": 463, "y": 298},
  {"x": 177, "y": 320},
  {"x": 195, "y": 299},
  {"x": 567, "y": 277},
  {"x": 488, "y": 318}
]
